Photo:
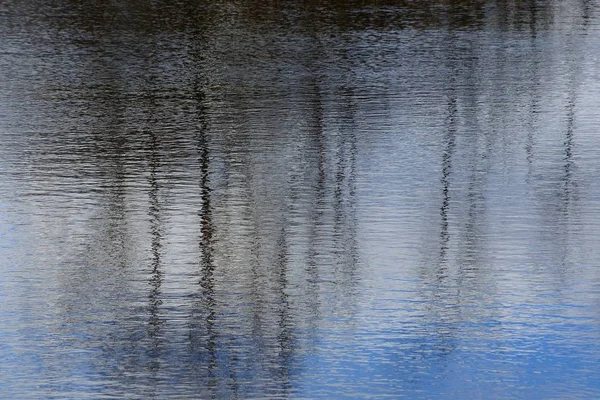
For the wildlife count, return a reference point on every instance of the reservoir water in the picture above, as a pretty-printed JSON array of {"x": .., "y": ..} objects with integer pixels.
[{"x": 300, "y": 199}]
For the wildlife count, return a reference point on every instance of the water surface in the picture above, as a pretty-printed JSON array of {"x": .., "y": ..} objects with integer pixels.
[{"x": 300, "y": 199}]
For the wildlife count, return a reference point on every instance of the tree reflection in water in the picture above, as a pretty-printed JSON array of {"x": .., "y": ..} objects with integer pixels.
[{"x": 301, "y": 199}]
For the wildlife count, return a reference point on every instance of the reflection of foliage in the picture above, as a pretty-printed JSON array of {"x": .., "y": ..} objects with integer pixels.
[{"x": 183, "y": 16}]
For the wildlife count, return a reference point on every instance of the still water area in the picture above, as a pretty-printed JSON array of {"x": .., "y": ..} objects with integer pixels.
[{"x": 300, "y": 199}]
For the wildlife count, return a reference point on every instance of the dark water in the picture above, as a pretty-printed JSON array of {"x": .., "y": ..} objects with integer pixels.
[{"x": 299, "y": 199}]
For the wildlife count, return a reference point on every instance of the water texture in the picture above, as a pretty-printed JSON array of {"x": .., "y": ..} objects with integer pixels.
[{"x": 299, "y": 199}]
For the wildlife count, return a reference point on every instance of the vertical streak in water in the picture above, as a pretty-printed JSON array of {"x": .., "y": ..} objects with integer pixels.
[
  {"x": 116, "y": 204},
  {"x": 284, "y": 337},
  {"x": 206, "y": 242},
  {"x": 568, "y": 155},
  {"x": 344, "y": 200},
  {"x": 440, "y": 307},
  {"x": 480, "y": 165},
  {"x": 568, "y": 183},
  {"x": 258, "y": 292},
  {"x": 314, "y": 105},
  {"x": 154, "y": 298},
  {"x": 587, "y": 7},
  {"x": 575, "y": 62},
  {"x": 312, "y": 268},
  {"x": 533, "y": 20},
  {"x": 156, "y": 232},
  {"x": 534, "y": 91},
  {"x": 112, "y": 150},
  {"x": 449, "y": 143}
]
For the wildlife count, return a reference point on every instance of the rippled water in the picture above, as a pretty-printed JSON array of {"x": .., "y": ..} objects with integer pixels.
[{"x": 234, "y": 199}]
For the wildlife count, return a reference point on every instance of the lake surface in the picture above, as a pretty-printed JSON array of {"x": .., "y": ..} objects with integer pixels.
[{"x": 299, "y": 199}]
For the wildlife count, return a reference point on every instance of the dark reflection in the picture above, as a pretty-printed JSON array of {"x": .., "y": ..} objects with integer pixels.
[
  {"x": 344, "y": 203},
  {"x": 567, "y": 209},
  {"x": 568, "y": 156},
  {"x": 156, "y": 274},
  {"x": 446, "y": 283},
  {"x": 203, "y": 334},
  {"x": 450, "y": 143},
  {"x": 116, "y": 239},
  {"x": 102, "y": 18},
  {"x": 573, "y": 89},
  {"x": 154, "y": 358},
  {"x": 534, "y": 90},
  {"x": 557, "y": 189},
  {"x": 587, "y": 9},
  {"x": 316, "y": 135}
]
